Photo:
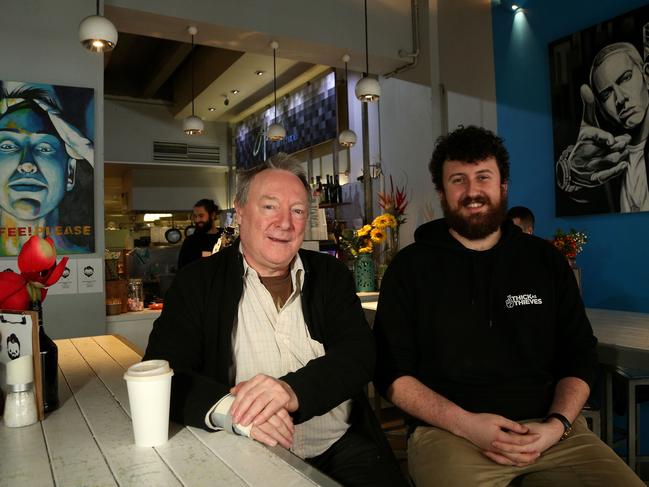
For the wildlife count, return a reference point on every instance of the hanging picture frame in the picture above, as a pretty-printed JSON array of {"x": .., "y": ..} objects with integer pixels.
[{"x": 19, "y": 337}]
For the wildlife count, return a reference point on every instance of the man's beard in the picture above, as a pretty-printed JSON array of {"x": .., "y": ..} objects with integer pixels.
[
  {"x": 479, "y": 225},
  {"x": 203, "y": 227}
]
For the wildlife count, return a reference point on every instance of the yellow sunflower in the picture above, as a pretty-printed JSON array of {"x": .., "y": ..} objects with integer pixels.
[
  {"x": 385, "y": 220},
  {"x": 377, "y": 235},
  {"x": 364, "y": 231},
  {"x": 366, "y": 250}
]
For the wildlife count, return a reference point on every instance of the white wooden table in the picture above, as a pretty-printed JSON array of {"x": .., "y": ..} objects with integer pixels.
[{"x": 88, "y": 441}]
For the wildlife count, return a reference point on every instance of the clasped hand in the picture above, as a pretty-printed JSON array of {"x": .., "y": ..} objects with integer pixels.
[
  {"x": 510, "y": 443},
  {"x": 266, "y": 403}
]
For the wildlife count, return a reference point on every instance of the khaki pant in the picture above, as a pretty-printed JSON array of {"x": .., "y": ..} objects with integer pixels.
[{"x": 440, "y": 459}]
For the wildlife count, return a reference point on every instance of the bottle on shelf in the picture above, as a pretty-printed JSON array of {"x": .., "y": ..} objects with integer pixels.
[
  {"x": 325, "y": 191},
  {"x": 49, "y": 363},
  {"x": 339, "y": 189},
  {"x": 319, "y": 188}
]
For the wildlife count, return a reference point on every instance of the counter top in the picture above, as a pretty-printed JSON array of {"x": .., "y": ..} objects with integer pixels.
[{"x": 147, "y": 314}]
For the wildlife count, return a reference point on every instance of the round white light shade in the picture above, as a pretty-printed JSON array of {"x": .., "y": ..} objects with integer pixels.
[
  {"x": 368, "y": 89},
  {"x": 347, "y": 138},
  {"x": 97, "y": 34},
  {"x": 276, "y": 132},
  {"x": 193, "y": 125}
]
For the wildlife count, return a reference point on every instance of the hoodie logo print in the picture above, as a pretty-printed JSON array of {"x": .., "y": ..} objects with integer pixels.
[{"x": 522, "y": 300}]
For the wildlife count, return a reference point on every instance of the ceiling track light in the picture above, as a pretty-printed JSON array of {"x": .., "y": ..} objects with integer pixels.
[
  {"x": 275, "y": 131},
  {"x": 367, "y": 89},
  {"x": 347, "y": 138},
  {"x": 193, "y": 125},
  {"x": 97, "y": 33}
]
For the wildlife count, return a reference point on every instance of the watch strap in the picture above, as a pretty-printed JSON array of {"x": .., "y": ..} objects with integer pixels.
[{"x": 567, "y": 425}]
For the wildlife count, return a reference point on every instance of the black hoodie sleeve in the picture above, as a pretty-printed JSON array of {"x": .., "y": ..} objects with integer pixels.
[
  {"x": 394, "y": 327},
  {"x": 576, "y": 344}
]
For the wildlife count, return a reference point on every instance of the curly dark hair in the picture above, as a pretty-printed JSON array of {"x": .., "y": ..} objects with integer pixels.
[
  {"x": 210, "y": 207},
  {"x": 468, "y": 144}
]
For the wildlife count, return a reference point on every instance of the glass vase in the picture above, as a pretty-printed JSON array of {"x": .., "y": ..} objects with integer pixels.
[{"x": 364, "y": 273}]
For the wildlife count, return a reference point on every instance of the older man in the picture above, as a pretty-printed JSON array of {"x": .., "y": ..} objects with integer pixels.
[
  {"x": 269, "y": 341},
  {"x": 484, "y": 341}
]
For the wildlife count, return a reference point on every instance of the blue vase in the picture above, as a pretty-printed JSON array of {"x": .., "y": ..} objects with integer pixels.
[{"x": 364, "y": 273}]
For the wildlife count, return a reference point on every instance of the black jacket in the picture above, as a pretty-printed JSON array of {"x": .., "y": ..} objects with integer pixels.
[
  {"x": 194, "y": 333},
  {"x": 492, "y": 331}
]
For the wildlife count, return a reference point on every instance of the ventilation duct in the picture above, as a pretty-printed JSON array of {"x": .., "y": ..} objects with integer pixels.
[{"x": 178, "y": 152}]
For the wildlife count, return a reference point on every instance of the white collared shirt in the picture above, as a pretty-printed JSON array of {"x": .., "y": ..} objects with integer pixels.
[{"x": 275, "y": 342}]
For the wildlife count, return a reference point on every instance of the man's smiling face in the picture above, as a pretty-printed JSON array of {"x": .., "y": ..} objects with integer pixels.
[{"x": 272, "y": 221}]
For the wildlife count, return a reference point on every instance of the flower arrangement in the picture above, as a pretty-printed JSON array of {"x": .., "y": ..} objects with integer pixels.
[
  {"x": 363, "y": 240},
  {"x": 38, "y": 271},
  {"x": 571, "y": 243},
  {"x": 394, "y": 203}
]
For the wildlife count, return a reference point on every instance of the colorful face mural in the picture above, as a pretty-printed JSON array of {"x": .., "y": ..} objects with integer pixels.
[{"x": 46, "y": 166}]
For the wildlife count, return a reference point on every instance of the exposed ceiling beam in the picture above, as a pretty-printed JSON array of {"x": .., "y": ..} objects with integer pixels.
[{"x": 169, "y": 62}]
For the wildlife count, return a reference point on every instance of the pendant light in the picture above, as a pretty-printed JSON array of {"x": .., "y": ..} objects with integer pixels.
[
  {"x": 347, "y": 138},
  {"x": 367, "y": 89},
  {"x": 275, "y": 131},
  {"x": 193, "y": 125},
  {"x": 97, "y": 33}
]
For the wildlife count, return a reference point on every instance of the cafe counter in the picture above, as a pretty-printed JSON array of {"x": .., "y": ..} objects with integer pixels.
[{"x": 134, "y": 326}]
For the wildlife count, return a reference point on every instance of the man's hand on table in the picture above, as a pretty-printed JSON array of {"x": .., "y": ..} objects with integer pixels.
[
  {"x": 257, "y": 400},
  {"x": 278, "y": 429}
]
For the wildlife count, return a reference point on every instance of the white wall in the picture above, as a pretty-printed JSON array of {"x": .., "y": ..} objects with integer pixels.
[
  {"x": 175, "y": 188},
  {"x": 41, "y": 44},
  {"x": 132, "y": 127}
]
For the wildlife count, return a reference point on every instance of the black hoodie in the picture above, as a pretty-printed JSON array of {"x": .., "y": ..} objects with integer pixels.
[{"x": 493, "y": 331}]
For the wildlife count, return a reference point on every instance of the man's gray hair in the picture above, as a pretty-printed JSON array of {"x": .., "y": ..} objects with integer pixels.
[
  {"x": 622, "y": 47},
  {"x": 279, "y": 161}
]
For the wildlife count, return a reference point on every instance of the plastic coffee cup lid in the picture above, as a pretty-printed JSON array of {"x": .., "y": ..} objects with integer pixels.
[{"x": 148, "y": 370}]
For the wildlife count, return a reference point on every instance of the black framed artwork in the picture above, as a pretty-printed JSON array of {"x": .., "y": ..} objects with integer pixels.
[{"x": 599, "y": 80}]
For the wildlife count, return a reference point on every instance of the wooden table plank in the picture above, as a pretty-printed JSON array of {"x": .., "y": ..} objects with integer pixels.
[
  {"x": 75, "y": 456},
  {"x": 24, "y": 457},
  {"x": 252, "y": 461},
  {"x": 190, "y": 460},
  {"x": 120, "y": 351},
  {"x": 109, "y": 423}
]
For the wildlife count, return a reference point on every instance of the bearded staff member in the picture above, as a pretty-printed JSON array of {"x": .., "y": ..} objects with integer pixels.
[
  {"x": 483, "y": 340},
  {"x": 207, "y": 233}
]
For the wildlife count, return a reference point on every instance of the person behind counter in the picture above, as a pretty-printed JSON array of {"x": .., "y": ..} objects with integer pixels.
[
  {"x": 269, "y": 341},
  {"x": 202, "y": 241}
]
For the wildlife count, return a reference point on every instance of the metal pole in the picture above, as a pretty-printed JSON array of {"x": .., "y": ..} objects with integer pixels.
[{"x": 367, "y": 173}]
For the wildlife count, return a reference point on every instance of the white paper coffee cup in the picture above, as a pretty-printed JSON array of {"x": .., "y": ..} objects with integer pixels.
[{"x": 149, "y": 391}]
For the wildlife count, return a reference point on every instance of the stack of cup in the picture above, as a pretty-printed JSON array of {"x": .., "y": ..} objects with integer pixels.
[
  {"x": 20, "y": 404},
  {"x": 149, "y": 391}
]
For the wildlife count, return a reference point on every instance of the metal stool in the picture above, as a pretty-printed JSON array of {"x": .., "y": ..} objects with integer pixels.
[
  {"x": 632, "y": 379},
  {"x": 593, "y": 419}
]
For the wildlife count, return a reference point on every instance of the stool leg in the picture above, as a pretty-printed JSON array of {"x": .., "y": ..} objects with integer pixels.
[
  {"x": 608, "y": 415},
  {"x": 632, "y": 427}
]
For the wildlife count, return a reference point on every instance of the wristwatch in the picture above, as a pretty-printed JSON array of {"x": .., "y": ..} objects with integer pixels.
[{"x": 567, "y": 425}]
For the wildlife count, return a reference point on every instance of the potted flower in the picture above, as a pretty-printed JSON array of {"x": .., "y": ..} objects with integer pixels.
[{"x": 570, "y": 244}]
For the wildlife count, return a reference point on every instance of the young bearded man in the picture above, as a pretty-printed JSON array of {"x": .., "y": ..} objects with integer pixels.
[{"x": 484, "y": 341}]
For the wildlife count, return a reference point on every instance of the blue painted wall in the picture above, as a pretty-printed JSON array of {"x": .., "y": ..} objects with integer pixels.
[{"x": 615, "y": 262}]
